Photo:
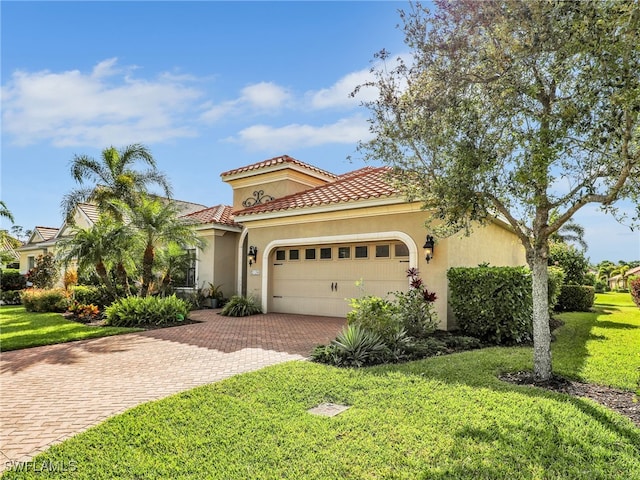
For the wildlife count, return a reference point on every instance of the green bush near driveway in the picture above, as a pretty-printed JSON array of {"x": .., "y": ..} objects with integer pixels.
[
  {"x": 239, "y": 306},
  {"x": 22, "y": 329},
  {"x": 141, "y": 311}
]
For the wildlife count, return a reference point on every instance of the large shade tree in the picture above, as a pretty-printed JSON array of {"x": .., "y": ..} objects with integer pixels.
[
  {"x": 513, "y": 108},
  {"x": 112, "y": 179}
]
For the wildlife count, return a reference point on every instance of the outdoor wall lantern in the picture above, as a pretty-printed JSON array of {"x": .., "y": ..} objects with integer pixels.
[
  {"x": 428, "y": 248},
  {"x": 252, "y": 255}
]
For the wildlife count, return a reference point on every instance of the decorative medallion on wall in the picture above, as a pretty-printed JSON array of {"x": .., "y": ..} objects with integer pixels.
[{"x": 259, "y": 198}]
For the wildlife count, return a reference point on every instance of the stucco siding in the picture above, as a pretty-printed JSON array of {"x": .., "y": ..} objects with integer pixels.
[{"x": 492, "y": 243}]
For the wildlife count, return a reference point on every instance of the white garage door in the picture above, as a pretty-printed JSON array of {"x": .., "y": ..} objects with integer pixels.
[{"x": 320, "y": 280}]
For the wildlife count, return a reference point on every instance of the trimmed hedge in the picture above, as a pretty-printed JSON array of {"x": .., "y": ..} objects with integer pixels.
[
  {"x": 634, "y": 287},
  {"x": 576, "y": 298},
  {"x": 495, "y": 304},
  {"x": 139, "y": 311},
  {"x": 12, "y": 279},
  {"x": 43, "y": 301}
]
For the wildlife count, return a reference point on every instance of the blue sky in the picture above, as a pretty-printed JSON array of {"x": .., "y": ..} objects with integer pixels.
[{"x": 208, "y": 86}]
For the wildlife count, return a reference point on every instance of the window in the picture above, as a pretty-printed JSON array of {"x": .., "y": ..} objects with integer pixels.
[
  {"x": 294, "y": 254},
  {"x": 401, "y": 250},
  {"x": 31, "y": 262},
  {"x": 362, "y": 251},
  {"x": 325, "y": 253},
  {"x": 382, "y": 251},
  {"x": 344, "y": 252},
  {"x": 185, "y": 274},
  {"x": 310, "y": 254},
  {"x": 280, "y": 254}
]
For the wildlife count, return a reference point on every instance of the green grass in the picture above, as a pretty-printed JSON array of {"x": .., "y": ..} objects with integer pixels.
[
  {"x": 22, "y": 329},
  {"x": 443, "y": 417},
  {"x": 601, "y": 347}
]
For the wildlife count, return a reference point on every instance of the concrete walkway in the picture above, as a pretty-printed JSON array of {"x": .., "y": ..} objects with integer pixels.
[{"x": 48, "y": 394}]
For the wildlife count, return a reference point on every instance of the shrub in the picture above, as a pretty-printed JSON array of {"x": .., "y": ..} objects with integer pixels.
[
  {"x": 239, "y": 306},
  {"x": 70, "y": 278},
  {"x": 376, "y": 315},
  {"x": 576, "y": 298},
  {"x": 52, "y": 300},
  {"x": 601, "y": 286},
  {"x": 572, "y": 261},
  {"x": 11, "y": 279},
  {"x": 139, "y": 311},
  {"x": 415, "y": 308},
  {"x": 495, "y": 304},
  {"x": 492, "y": 303},
  {"x": 11, "y": 297},
  {"x": 45, "y": 273},
  {"x": 90, "y": 294},
  {"x": 634, "y": 288},
  {"x": 84, "y": 313},
  {"x": 356, "y": 346}
]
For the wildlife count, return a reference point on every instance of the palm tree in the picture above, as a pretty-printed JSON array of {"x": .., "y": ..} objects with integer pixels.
[
  {"x": 570, "y": 232},
  {"x": 113, "y": 179},
  {"x": 158, "y": 225},
  {"x": 4, "y": 212},
  {"x": 100, "y": 248}
]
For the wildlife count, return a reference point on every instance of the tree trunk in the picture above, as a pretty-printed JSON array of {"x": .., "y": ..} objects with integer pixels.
[
  {"x": 147, "y": 270},
  {"x": 123, "y": 277},
  {"x": 541, "y": 330},
  {"x": 102, "y": 272}
]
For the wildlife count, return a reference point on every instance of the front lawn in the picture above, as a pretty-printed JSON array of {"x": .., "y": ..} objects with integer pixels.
[
  {"x": 602, "y": 347},
  {"x": 443, "y": 417},
  {"x": 22, "y": 329}
]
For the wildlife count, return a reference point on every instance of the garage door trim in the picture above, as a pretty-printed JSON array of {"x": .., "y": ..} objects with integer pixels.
[{"x": 350, "y": 238}]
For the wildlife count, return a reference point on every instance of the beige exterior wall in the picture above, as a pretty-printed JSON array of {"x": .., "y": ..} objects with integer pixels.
[
  {"x": 217, "y": 261},
  {"x": 278, "y": 183},
  {"x": 493, "y": 243}
]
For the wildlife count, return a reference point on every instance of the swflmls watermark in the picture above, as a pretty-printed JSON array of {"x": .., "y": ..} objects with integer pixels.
[{"x": 48, "y": 466}]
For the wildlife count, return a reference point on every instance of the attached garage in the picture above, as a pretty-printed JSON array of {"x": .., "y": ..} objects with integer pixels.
[{"x": 320, "y": 278}]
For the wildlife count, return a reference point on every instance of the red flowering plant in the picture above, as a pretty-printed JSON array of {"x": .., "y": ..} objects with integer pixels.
[{"x": 415, "y": 307}]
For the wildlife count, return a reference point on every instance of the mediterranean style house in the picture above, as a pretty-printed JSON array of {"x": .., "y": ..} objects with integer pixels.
[{"x": 303, "y": 240}]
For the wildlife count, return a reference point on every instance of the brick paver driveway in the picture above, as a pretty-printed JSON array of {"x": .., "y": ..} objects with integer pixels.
[{"x": 51, "y": 393}]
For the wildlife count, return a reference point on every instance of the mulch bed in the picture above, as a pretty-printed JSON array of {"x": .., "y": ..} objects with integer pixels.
[{"x": 625, "y": 403}]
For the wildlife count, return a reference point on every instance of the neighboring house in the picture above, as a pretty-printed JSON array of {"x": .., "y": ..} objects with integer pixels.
[
  {"x": 619, "y": 282},
  {"x": 41, "y": 242},
  {"x": 44, "y": 239},
  {"x": 9, "y": 258},
  {"x": 303, "y": 240}
]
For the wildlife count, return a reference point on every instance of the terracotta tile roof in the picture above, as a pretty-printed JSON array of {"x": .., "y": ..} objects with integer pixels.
[
  {"x": 362, "y": 184},
  {"x": 281, "y": 160},
  {"x": 47, "y": 233},
  {"x": 220, "y": 214}
]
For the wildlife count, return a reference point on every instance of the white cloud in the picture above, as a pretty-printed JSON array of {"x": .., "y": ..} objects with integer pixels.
[
  {"x": 339, "y": 94},
  {"x": 288, "y": 137},
  {"x": 107, "y": 106},
  {"x": 254, "y": 99}
]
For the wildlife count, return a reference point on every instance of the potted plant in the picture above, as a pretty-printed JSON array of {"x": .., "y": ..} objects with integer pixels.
[{"x": 214, "y": 295}]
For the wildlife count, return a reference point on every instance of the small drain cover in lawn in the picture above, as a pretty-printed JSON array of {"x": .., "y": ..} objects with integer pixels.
[{"x": 328, "y": 409}]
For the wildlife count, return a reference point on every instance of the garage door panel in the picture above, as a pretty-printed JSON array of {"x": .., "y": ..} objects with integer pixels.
[{"x": 324, "y": 287}]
